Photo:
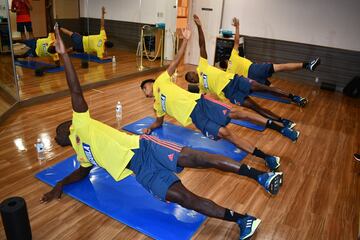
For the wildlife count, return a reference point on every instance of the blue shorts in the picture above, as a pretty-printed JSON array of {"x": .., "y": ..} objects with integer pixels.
[
  {"x": 22, "y": 25},
  {"x": 260, "y": 72},
  {"x": 155, "y": 165},
  {"x": 237, "y": 90},
  {"x": 209, "y": 116},
  {"x": 31, "y": 43},
  {"x": 77, "y": 42}
]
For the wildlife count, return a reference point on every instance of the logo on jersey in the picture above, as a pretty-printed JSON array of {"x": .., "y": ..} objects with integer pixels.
[
  {"x": 163, "y": 102},
  {"x": 225, "y": 112},
  {"x": 100, "y": 43},
  {"x": 171, "y": 157},
  {"x": 88, "y": 153},
  {"x": 230, "y": 63},
  {"x": 77, "y": 140},
  {"x": 205, "y": 79}
]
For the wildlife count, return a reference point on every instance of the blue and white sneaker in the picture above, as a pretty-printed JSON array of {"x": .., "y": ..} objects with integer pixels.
[
  {"x": 290, "y": 133},
  {"x": 288, "y": 123},
  {"x": 272, "y": 162},
  {"x": 313, "y": 64},
  {"x": 300, "y": 101},
  {"x": 271, "y": 181},
  {"x": 248, "y": 226}
]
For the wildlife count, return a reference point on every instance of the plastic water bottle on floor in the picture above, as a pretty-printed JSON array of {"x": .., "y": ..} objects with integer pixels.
[
  {"x": 118, "y": 111},
  {"x": 40, "y": 149}
]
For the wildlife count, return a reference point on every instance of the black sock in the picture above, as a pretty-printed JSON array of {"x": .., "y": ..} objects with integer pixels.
[
  {"x": 232, "y": 216},
  {"x": 258, "y": 153},
  {"x": 250, "y": 172},
  {"x": 291, "y": 96},
  {"x": 306, "y": 65},
  {"x": 270, "y": 124}
]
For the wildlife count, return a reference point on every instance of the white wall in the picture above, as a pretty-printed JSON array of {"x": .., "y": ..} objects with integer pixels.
[{"x": 331, "y": 23}]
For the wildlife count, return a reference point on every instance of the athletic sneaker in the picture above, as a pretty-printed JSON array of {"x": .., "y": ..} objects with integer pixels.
[
  {"x": 272, "y": 162},
  {"x": 288, "y": 123},
  {"x": 248, "y": 226},
  {"x": 313, "y": 64},
  {"x": 290, "y": 133},
  {"x": 271, "y": 181},
  {"x": 301, "y": 101},
  {"x": 357, "y": 156}
]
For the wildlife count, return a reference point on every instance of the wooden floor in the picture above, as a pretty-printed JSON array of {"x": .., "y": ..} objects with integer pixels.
[
  {"x": 320, "y": 198},
  {"x": 126, "y": 63}
]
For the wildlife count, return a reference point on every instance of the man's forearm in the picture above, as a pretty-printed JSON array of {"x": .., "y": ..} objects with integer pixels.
[
  {"x": 237, "y": 37},
  {"x": 202, "y": 44},
  {"x": 75, "y": 176}
]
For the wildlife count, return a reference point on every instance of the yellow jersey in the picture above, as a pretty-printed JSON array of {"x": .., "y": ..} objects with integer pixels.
[
  {"x": 42, "y": 45},
  {"x": 212, "y": 79},
  {"x": 98, "y": 144},
  {"x": 238, "y": 65},
  {"x": 95, "y": 43},
  {"x": 173, "y": 100}
]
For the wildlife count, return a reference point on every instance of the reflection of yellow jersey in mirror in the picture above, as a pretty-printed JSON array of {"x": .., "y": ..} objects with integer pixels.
[
  {"x": 173, "y": 100},
  {"x": 238, "y": 65},
  {"x": 42, "y": 45},
  {"x": 212, "y": 79},
  {"x": 95, "y": 43},
  {"x": 98, "y": 144}
]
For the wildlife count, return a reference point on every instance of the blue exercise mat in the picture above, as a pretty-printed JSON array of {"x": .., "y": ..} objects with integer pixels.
[
  {"x": 269, "y": 96},
  {"x": 35, "y": 65},
  {"x": 188, "y": 137},
  {"x": 126, "y": 201},
  {"x": 89, "y": 57},
  {"x": 247, "y": 124}
]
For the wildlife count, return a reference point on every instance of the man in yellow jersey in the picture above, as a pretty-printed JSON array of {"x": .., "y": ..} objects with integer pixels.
[
  {"x": 91, "y": 44},
  {"x": 40, "y": 47},
  {"x": 211, "y": 117},
  {"x": 260, "y": 71},
  {"x": 233, "y": 84},
  {"x": 153, "y": 161},
  {"x": 237, "y": 89}
]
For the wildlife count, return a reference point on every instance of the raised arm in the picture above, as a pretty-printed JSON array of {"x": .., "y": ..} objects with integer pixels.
[
  {"x": 102, "y": 21},
  {"x": 236, "y": 24},
  {"x": 173, "y": 65},
  {"x": 77, "y": 99},
  {"x": 75, "y": 176},
  {"x": 202, "y": 45}
]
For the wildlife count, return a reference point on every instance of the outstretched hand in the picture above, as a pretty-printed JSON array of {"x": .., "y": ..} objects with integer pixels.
[
  {"x": 59, "y": 44},
  {"x": 197, "y": 20},
  {"x": 55, "y": 193},
  {"x": 186, "y": 32},
  {"x": 103, "y": 10},
  {"x": 235, "y": 22}
]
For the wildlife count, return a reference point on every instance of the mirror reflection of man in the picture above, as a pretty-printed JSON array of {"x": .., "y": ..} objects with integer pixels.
[
  {"x": 91, "y": 44},
  {"x": 22, "y": 9}
]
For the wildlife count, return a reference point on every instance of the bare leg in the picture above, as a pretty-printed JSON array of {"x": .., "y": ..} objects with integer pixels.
[
  {"x": 199, "y": 159},
  {"x": 250, "y": 103},
  {"x": 257, "y": 87},
  {"x": 286, "y": 67},
  {"x": 23, "y": 36},
  {"x": 177, "y": 193},
  {"x": 240, "y": 143},
  {"x": 66, "y": 31},
  {"x": 31, "y": 35},
  {"x": 237, "y": 113}
]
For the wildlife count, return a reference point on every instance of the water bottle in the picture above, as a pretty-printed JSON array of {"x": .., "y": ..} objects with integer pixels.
[
  {"x": 40, "y": 149},
  {"x": 118, "y": 111}
]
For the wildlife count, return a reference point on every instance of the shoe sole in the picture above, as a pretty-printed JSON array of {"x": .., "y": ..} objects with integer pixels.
[
  {"x": 275, "y": 183},
  {"x": 254, "y": 227},
  {"x": 357, "y": 159},
  {"x": 292, "y": 125}
]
